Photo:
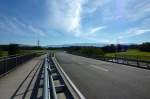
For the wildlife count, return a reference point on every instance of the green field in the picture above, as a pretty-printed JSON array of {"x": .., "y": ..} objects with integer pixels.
[
  {"x": 3, "y": 53},
  {"x": 132, "y": 54}
]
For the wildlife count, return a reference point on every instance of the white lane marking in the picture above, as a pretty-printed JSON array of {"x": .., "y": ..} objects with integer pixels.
[{"x": 98, "y": 67}]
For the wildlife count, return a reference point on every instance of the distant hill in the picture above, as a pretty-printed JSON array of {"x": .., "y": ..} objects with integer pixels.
[{"x": 79, "y": 44}]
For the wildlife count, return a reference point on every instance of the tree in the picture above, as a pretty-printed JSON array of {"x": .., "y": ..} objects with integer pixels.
[
  {"x": 13, "y": 49},
  {"x": 110, "y": 48},
  {"x": 145, "y": 47},
  {"x": 91, "y": 51},
  {"x": 1, "y": 53}
]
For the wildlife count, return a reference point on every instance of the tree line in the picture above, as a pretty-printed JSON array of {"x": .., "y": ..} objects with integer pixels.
[
  {"x": 90, "y": 50},
  {"x": 13, "y": 49},
  {"x": 100, "y": 51}
]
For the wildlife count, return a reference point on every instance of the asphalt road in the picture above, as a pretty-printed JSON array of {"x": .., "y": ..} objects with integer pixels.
[{"x": 103, "y": 80}]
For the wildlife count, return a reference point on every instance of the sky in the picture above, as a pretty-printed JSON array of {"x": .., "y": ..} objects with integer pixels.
[{"x": 56, "y": 22}]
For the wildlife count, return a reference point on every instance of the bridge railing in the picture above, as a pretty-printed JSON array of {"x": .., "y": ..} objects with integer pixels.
[
  {"x": 8, "y": 63},
  {"x": 137, "y": 62}
]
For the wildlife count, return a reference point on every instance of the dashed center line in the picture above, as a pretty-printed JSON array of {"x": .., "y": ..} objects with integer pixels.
[{"x": 100, "y": 68}]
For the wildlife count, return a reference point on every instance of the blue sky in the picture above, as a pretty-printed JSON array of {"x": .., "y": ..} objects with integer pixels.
[{"x": 56, "y": 22}]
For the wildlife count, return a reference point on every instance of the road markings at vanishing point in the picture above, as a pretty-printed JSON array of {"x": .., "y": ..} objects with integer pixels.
[{"x": 100, "y": 68}]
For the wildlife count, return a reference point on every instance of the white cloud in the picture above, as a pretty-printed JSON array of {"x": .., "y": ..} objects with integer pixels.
[
  {"x": 16, "y": 26},
  {"x": 65, "y": 15},
  {"x": 134, "y": 32},
  {"x": 36, "y": 30},
  {"x": 129, "y": 10},
  {"x": 96, "y": 29},
  {"x": 136, "y": 9},
  {"x": 68, "y": 15},
  {"x": 92, "y": 5},
  {"x": 137, "y": 31}
]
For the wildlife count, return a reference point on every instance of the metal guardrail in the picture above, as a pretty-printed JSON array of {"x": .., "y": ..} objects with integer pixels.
[
  {"x": 126, "y": 61},
  {"x": 54, "y": 73},
  {"x": 8, "y": 63},
  {"x": 46, "y": 91}
]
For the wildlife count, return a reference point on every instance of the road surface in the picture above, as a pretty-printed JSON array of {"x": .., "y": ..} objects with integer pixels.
[{"x": 105, "y": 80}]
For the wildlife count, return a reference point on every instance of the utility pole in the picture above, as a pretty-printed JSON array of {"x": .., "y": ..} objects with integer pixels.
[
  {"x": 117, "y": 42},
  {"x": 38, "y": 43}
]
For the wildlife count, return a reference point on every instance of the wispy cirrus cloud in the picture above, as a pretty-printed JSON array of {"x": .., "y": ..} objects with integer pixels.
[
  {"x": 68, "y": 15},
  {"x": 129, "y": 10},
  {"x": 96, "y": 29},
  {"x": 36, "y": 30},
  {"x": 12, "y": 25},
  {"x": 138, "y": 31},
  {"x": 134, "y": 32},
  {"x": 92, "y": 5}
]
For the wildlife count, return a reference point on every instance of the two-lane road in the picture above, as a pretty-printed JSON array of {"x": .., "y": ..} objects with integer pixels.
[{"x": 102, "y": 80}]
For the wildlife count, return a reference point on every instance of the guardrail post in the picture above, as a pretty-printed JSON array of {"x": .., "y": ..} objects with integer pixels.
[
  {"x": 148, "y": 65},
  {"x": 127, "y": 60},
  {"x": 117, "y": 59},
  {"x": 5, "y": 61},
  {"x": 138, "y": 62},
  {"x": 16, "y": 61}
]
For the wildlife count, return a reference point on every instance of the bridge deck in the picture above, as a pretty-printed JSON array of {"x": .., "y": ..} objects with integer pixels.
[{"x": 14, "y": 84}]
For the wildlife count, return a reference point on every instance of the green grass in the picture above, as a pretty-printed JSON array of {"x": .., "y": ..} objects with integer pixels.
[
  {"x": 3, "y": 53},
  {"x": 132, "y": 54},
  {"x": 22, "y": 52}
]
